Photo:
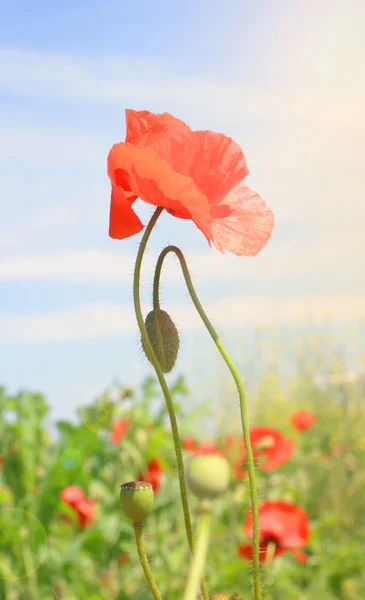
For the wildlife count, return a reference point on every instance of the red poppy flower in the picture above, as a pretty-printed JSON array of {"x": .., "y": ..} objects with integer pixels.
[
  {"x": 123, "y": 558},
  {"x": 119, "y": 428},
  {"x": 284, "y": 524},
  {"x": 208, "y": 447},
  {"x": 302, "y": 420},
  {"x": 193, "y": 175},
  {"x": 268, "y": 444},
  {"x": 1, "y": 460},
  {"x": 72, "y": 495},
  {"x": 84, "y": 508},
  {"x": 85, "y": 512},
  {"x": 152, "y": 474}
]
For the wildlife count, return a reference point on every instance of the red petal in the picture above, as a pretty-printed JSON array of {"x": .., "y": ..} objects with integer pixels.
[
  {"x": 72, "y": 495},
  {"x": 155, "y": 181},
  {"x": 248, "y": 225},
  {"x": 123, "y": 220},
  {"x": 299, "y": 555},
  {"x": 217, "y": 164},
  {"x": 246, "y": 551},
  {"x": 283, "y": 521},
  {"x": 280, "y": 453},
  {"x": 145, "y": 128},
  {"x": 302, "y": 420}
]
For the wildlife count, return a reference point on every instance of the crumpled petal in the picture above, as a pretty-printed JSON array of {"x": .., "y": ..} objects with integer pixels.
[
  {"x": 141, "y": 173},
  {"x": 214, "y": 161},
  {"x": 247, "y": 225},
  {"x": 144, "y": 128}
]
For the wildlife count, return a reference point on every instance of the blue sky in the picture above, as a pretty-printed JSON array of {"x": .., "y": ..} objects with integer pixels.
[{"x": 284, "y": 79}]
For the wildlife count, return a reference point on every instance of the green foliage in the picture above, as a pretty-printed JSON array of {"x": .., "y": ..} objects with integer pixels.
[{"x": 42, "y": 538}]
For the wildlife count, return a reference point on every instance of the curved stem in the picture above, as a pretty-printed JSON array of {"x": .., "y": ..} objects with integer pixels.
[
  {"x": 242, "y": 397},
  {"x": 138, "y": 531},
  {"x": 200, "y": 555},
  {"x": 170, "y": 407}
]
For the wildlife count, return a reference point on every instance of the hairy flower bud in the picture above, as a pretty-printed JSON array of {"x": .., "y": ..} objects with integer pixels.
[
  {"x": 136, "y": 500},
  {"x": 164, "y": 338},
  {"x": 208, "y": 475}
]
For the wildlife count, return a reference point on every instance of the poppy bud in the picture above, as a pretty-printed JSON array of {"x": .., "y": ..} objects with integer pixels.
[
  {"x": 208, "y": 475},
  {"x": 136, "y": 500},
  {"x": 164, "y": 338}
]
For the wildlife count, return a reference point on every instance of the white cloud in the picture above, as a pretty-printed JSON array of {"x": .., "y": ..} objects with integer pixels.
[
  {"x": 105, "y": 320},
  {"x": 322, "y": 261}
]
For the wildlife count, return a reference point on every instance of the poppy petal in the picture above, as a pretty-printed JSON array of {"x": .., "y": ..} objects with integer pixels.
[
  {"x": 246, "y": 551},
  {"x": 217, "y": 164},
  {"x": 247, "y": 225},
  {"x": 299, "y": 555},
  {"x": 145, "y": 128},
  {"x": 149, "y": 177},
  {"x": 123, "y": 221},
  {"x": 278, "y": 455}
]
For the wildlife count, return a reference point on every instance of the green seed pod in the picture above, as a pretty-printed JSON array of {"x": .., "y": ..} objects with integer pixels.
[
  {"x": 164, "y": 338},
  {"x": 208, "y": 475},
  {"x": 136, "y": 500}
]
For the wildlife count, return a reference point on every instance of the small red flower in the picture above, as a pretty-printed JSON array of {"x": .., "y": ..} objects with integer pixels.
[
  {"x": 268, "y": 444},
  {"x": 194, "y": 175},
  {"x": 1, "y": 461},
  {"x": 85, "y": 512},
  {"x": 281, "y": 523},
  {"x": 302, "y": 420},
  {"x": 208, "y": 447},
  {"x": 152, "y": 474},
  {"x": 72, "y": 495},
  {"x": 120, "y": 428},
  {"x": 123, "y": 558},
  {"x": 84, "y": 508}
]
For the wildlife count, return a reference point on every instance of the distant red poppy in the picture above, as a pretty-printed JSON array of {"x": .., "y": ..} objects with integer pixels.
[
  {"x": 85, "y": 512},
  {"x": 75, "y": 497},
  {"x": 72, "y": 495},
  {"x": 123, "y": 558},
  {"x": 119, "y": 428},
  {"x": 1, "y": 460},
  {"x": 268, "y": 444},
  {"x": 284, "y": 524},
  {"x": 208, "y": 447},
  {"x": 302, "y": 420},
  {"x": 152, "y": 474},
  {"x": 194, "y": 175}
]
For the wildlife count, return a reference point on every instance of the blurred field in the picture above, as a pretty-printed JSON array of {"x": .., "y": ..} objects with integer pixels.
[{"x": 48, "y": 551}]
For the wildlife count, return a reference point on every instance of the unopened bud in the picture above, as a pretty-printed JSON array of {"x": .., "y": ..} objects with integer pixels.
[
  {"x": 164, "y": 338},
  {"x": 208, "y": 475},
  {"x": 136, "y": 500}
]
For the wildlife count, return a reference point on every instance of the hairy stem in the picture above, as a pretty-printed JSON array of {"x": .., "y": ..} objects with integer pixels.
[
  {"x": 138, "y": 531},
  {"x": 242, "y": 397},
  {"x": 169, "y": 403}
]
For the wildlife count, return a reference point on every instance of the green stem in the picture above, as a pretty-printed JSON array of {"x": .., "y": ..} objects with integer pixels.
[
  {"x": 138, "y": 531},
  {"x": 31, "y": 581},
  {"x": 170, "y": 407},
  {"x": 242, "y": 397},
  {"x": 200, "y": 555}
]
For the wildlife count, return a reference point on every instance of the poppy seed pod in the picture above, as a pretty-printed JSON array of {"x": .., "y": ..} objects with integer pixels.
[
  {"x": 208, "y": 475},
  {"x": 136, "y": 500},
  {"x": 164, "y": 338}
]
